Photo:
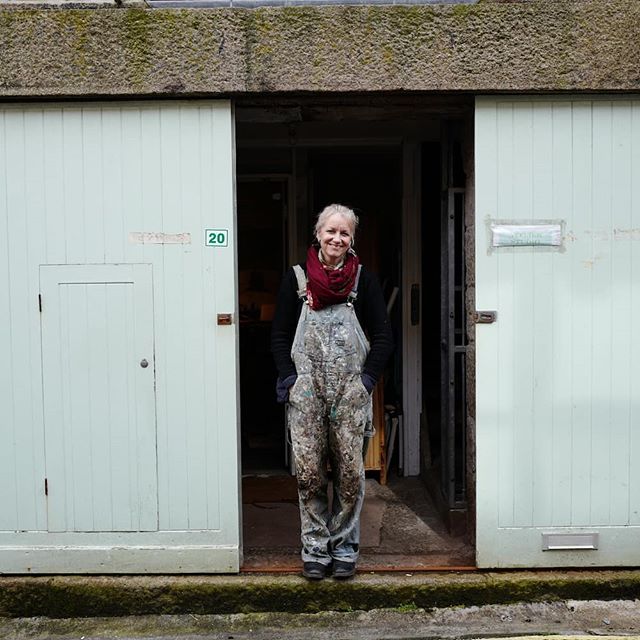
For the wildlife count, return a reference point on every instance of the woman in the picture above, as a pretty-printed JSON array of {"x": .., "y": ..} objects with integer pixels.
[{"x": 327, "y": 372}]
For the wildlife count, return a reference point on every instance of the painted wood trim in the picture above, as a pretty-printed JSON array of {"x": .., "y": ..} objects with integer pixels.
[
  {"x": 132, "y": 559},
  {"x": 411, "y": 335}
]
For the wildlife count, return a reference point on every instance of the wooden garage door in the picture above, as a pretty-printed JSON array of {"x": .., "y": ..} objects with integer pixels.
[
  {"x": 558, "y": 373},
  {"x": 121, "y": 217}
]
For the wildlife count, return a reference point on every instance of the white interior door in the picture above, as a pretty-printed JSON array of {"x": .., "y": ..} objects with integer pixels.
[
  {"x": 558, "y": 373},
  {"x": 99, "y": 397}
]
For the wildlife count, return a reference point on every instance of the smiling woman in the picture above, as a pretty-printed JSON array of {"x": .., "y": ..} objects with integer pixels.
[
  {"x": 327, "y": 370},
  {"x": 335, "y": 233}
]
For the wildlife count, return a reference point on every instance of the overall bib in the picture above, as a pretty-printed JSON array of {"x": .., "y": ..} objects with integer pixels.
[{"x": 328, "y": 414}]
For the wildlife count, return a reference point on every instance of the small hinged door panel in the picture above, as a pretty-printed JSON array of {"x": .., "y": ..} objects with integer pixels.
[{"x": 99, "y": 401}]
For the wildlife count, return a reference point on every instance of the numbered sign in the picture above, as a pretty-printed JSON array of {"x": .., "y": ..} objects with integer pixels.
[{"x": 216, "y": 237}]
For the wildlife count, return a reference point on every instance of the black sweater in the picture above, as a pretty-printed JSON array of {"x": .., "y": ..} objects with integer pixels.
[{"x": 370, "y": 309}]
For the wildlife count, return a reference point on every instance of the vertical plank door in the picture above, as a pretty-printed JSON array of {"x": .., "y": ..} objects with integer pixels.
[
  {"x": 99, "y": 397},
  {"x": 558, "y": 372},
  {"x": 119, "y": 438}
]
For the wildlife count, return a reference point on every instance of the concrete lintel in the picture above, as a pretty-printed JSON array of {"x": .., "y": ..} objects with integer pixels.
[{"x": 534, "y": 46}]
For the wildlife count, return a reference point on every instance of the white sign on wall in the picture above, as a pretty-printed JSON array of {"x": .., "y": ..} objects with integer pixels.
[{"x": 525, "y": 233}]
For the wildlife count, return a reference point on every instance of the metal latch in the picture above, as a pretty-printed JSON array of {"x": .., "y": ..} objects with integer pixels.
[
  {"x": 486, "y": 317},
  {"x": 225, "y": 318}
]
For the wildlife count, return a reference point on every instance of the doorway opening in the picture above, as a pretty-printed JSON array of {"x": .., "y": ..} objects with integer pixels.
[{"x": 392, "y": 162}]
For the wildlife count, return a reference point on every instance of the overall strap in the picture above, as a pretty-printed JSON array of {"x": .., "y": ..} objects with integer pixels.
[
  {"x": 302, "y": 281},
  {"x": 354, "y": 292}
]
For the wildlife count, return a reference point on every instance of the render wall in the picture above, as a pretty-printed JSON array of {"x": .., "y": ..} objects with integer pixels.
[{"x": 539, "y": 45}]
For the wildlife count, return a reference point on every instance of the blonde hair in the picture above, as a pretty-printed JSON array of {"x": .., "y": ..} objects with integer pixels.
[{"x": 340, "y": 209}]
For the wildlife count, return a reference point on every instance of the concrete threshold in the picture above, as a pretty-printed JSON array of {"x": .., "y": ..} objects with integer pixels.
[{"x": 90, "y": 596}]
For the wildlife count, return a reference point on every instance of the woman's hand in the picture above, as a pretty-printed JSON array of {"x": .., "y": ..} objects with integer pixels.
[
  {"x": 283, "y": 386},
  {"x": 368, "y": 382}
]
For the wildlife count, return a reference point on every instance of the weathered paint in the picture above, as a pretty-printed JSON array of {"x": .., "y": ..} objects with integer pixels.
[
  {"x": 142, "y": 463},
  {"x": 558, "y": 373},
  {"x": 559, "y": 45}
]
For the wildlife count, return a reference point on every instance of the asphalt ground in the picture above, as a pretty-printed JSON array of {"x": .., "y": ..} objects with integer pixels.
[{"x": 558, "y": 620}]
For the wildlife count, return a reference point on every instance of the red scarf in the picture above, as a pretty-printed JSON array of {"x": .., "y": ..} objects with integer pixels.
[{"x": 329, "y": 286}]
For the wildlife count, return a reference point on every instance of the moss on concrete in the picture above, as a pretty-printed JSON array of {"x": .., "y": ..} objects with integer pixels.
[
  {"x": 565, "y": 45},
  {"x": 61, "y": 597},
  {"x": 136, "y": 43}
]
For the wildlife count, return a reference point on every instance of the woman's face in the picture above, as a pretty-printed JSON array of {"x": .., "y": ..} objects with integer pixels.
[{"x": 335, "y": 238}]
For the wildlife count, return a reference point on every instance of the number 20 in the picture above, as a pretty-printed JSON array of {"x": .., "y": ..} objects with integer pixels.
[{"x": 216, "y": 238}]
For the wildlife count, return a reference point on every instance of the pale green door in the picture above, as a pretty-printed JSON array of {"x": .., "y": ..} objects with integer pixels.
[
  {"x": 558, "y": 372},
  {"x": 99, "y": 397},
  {"x": 119, "y": 436}
]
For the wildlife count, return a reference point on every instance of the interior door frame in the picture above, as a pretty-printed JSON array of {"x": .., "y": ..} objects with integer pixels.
[
  {"x": 298, "y": 236},
  {"x": 411, "y": 300}
]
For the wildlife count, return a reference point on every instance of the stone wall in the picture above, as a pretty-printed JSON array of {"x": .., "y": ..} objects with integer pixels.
[{"x": 540, "y": 45}]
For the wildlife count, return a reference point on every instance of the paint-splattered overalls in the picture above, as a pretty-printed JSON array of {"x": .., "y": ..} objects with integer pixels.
[{"x": 329, "y": 412}]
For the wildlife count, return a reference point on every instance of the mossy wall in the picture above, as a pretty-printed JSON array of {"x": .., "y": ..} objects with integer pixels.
[{"x": 539, "y": 45}]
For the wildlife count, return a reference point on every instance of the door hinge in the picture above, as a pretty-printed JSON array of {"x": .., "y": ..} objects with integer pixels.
[
  {"x": 40, "y": 302},
  {"x": 46, "y": 487}
]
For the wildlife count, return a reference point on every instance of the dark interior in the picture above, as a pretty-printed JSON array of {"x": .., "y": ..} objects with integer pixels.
[
  {"x": 345, "y": 176},
  {"x": 287, "y": 172}
]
